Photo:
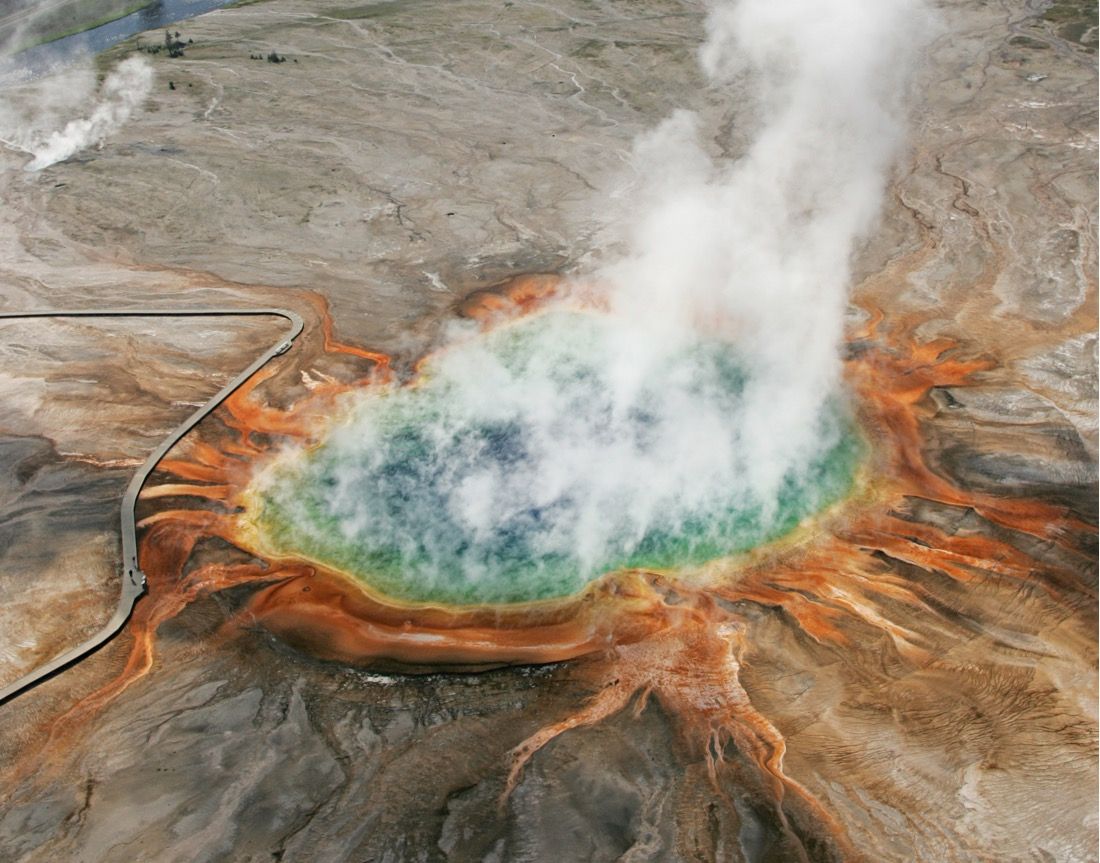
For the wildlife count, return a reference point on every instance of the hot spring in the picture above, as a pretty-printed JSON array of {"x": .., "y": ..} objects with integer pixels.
[{"x": 526, "y": 461}]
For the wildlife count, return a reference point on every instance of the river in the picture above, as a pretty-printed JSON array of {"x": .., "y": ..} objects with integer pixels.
[{"x": 42, "y": 59}]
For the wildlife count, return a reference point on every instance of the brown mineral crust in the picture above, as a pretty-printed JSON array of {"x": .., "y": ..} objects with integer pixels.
[
  {"x": 513, "y": 297},
  {"x": 333, "y": 620},
  {"x": 924, "y": 657},
  {"x": 644, "y": 634}
]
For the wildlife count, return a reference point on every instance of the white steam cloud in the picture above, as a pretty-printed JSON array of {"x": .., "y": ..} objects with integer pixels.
[
  {"x": 586, "y": 462},
  {"x": 30, "y": 116},
  {"x": 762, "y": 245}
]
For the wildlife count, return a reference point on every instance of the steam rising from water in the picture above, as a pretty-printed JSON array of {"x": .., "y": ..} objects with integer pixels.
[
  {"x": 762, "y": 244},
  {"x": 514, "y": 471},
  {"x": 37, "y": 129},
  {"x": 750, "y": 255}
]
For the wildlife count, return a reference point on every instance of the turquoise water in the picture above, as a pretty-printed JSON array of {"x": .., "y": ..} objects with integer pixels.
[{"x": 521, "y": 467}]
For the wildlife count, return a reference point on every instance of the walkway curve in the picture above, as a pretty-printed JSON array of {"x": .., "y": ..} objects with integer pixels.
[{"x": 133, "y": 579}]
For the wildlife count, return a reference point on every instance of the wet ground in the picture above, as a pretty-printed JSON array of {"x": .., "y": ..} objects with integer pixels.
[{"x": 405, "y": 155}]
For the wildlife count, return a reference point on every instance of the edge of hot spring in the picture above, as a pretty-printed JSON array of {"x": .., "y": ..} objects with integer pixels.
[{"x": 842, "y": 469}]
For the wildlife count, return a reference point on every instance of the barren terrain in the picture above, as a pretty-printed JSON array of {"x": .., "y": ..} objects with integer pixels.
[{"x": 404, "y": 156}]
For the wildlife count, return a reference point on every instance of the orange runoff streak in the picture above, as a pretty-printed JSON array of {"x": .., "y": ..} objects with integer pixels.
[{"x": 644, "y": 634}]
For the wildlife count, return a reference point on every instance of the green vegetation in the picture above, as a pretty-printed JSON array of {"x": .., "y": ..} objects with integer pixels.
[
  {"x": 1028, "y": 42},
  {"x": 589, "y": 49},
  {"x": 64, "y": 19},
  {"x": 173, "y": 46},
  {"x": 1071, "y": 10},
  {"x": 1075, "y": 21},
  {"x": 271, "y": 57},
  {"x": 371, "y": 10}
]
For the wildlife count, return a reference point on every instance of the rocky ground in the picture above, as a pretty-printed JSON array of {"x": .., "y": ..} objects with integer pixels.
[{"x": 404, "y": 155}]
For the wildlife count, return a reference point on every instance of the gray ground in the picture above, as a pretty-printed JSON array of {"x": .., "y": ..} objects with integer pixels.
[{"x": 406, "y": 154}]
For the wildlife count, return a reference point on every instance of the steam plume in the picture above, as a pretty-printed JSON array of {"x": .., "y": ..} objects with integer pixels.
[
  {"x": 33, "y": 130},
  {"x": 763, "y": 243},
  {"x": 753, "y": 254}
]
